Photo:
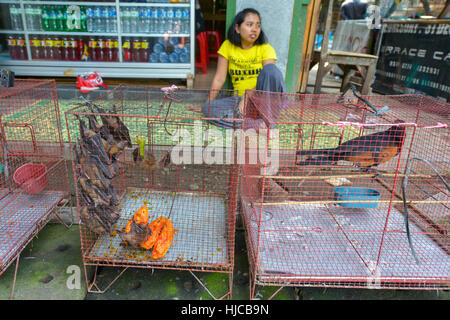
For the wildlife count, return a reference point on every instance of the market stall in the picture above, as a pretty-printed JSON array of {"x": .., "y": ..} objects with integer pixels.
[{"x": 115, "y": 38}]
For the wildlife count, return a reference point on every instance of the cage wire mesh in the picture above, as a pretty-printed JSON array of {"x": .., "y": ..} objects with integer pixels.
[
  {"x": 197, "y": 195},
  {"x": 325, "y": 206},
  {"x": 33, "y": 173}
]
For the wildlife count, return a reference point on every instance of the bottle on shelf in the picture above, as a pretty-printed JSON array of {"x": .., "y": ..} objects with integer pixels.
[
  {"x": 170, "y": 19},
  {"x": 155, "y": 19},
  {"x": 65, "y": 49},
  {"x": 177, "y": 24},
  {"x": 113, "y": 20},
  {"x": 73, "y": 49},
  {"x": 89, "y": 19},
  {"x": 83, "y": 19},
  {"x": 29, "y": 17},
  {"x": 162, "y": 21},
  {"x": 35, "y": 47},
  {"x": 101, "y": 46},
  {"x": 59, "y": 19},
  {"x": 136, "y": 50},
  {"x": 126, "y": 49},
  {"x": 11, "y": 41},
  {"x": 82, "y": 53},
  {"x": 141, "y": 20},
  {"x": 37, "y": 12},
  {"x": 98, "y": 21},
  {"x": 16, "y": 17},
  {"x": 52, "y": 21},
  {"x": 134, "y": 17},
  {"x": 57, "y": 48},
  {"x": 92, "y": 48},
  {"x": 106, "y": 23},
  {"x": 148, "y": 20},
  {"x": 145, "y": 49},
  {"x": 186, "y": 21},
  {"x": 125, "y": 19}
]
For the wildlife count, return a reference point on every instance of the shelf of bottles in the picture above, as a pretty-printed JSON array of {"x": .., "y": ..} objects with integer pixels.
[{"x": 81, "y": 32}]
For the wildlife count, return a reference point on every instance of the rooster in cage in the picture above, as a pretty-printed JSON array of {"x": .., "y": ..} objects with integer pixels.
[{"x": 365, "y": 151}]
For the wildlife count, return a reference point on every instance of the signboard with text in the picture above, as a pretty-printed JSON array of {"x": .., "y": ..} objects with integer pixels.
[{"x": 414, "y": 58}]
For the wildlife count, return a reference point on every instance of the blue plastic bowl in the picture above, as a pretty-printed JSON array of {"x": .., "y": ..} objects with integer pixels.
[{"x": 356, "y": 194}]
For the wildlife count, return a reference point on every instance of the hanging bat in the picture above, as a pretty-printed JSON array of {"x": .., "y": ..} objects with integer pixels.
[{"x": 93, "y": 142}]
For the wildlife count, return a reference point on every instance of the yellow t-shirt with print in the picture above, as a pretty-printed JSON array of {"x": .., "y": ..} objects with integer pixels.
[{"x": 244, "y": 65}]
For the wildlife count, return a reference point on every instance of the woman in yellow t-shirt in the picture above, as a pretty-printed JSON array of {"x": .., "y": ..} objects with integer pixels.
[{"x": 249, "y": 61}]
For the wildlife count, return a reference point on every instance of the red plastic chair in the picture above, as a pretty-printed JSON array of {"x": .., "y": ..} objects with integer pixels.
[
  {"x": 217, "y": 43},
  {"x": 202, "y": 59}
]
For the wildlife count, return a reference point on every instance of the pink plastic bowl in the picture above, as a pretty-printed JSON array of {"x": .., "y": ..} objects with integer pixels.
[{"x": 32, "y": 177}]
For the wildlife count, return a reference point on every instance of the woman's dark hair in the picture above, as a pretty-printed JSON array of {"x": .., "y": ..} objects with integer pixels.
[{"x": 234, "y": 37}]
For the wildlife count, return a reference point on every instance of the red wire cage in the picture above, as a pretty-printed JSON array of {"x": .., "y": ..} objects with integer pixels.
[
  {"x": 198, "y": 196},
  {"x": 342, "y": 193},
  {"x": 33, "y": 172}
]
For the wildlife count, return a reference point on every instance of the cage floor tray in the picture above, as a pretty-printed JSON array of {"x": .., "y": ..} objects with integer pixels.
[
  {"x": 20, "y": 216},
  {"x": 332, "y": 242},
  {"x": 201, "y": 227}
]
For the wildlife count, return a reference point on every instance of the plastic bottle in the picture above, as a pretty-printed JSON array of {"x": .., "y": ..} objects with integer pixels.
[
  {"x": 50, "y": 55},
  {"x": 145, "y": 49},
  {"x": 163, "y": 57},
  {"x": 57, "y": 48},
  {"x": 126, "y": 49},
  {"x": 109, "y": 49},
  {"x": 65, "y": 49},
  {"x": 101, "y": 49},
  {"x": 155, "y": 20},
  {"x": 92, "y": 47},
  {"x": 147, "y": 20},
  {"x": 89, "y": 19},
  {"x": 44, "y": 18},
  {"x": 73, "y": 49},
  {"x": 65, "y": 19},
  {"x": 38, "y": 17},
  {"x": 52, "y": 19},
  {"x": 21, "y": 48},
  {"x": 83, "y": 19},
  {"x": 162, "y": 21},
  {"x": 113, "y": 20},
  {"x": 59, "y": 19},
  {"x": 178, "y": 23},
  {"x": 186, "y": 21},
  {"x": 134, "y": 17},
  {"x": 125, "y": 19},
  {"x": 16, "y": 17},
  {"x": 154, "y": 57},
  {"x": 44, "y": 52},
  {"x": 170, "y": 19},
  {"x": 106, "y": 19},
  {"x": 29, "y": 18},
  {"x": 80, "y": 49},
  {"x": 141, "y": 20},
  {"x": 136, "y": 50},
  {"x": 35, "y": 45},
  {"x": 98, "y": 27},
  {"x": 12, "y": 47}
]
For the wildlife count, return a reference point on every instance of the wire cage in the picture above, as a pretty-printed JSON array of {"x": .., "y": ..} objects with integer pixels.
[
  {"x": 33, "y": 172},
  {"x": 348, "y": 192},
  {"x": 176, "y": 166}
]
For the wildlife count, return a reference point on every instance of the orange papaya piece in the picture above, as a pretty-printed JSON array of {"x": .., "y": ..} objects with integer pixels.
[
  {"x": 155, "y": 226},
  {"x": 140, "y": 217},
  {"x": 164, "y": 241}
]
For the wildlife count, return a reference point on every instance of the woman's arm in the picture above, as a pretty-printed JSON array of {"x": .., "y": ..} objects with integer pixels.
[
  {"x": 268, "y": 61},
  {"x": 220, "y": 77}
]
